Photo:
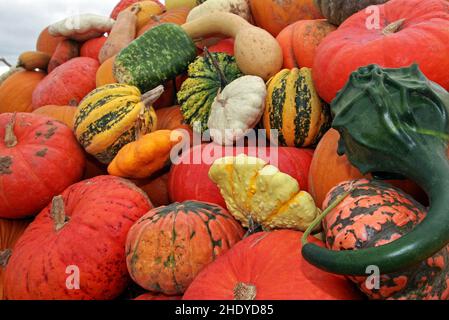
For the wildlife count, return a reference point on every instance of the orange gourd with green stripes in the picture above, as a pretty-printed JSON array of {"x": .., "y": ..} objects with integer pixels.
[{"x": 294, "y": 108}]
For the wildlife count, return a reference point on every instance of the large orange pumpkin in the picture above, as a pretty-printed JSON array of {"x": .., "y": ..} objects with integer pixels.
[
  {"x": 47, "y": 43},
  {"x": 16, "y": 92},
  {"x": 275, "y": 15},
  {"x": 177, "y": 16},
  {"x": 170, "y": 245},
  {"x": 83, "y": 230},
  {"x": 65, "y": 114},
  {"x": 105, "y": 74},
  {"x": 328, "y": 169},
  {"x": 268, "y": 266},
  {"x": 300, "y": 40},
  {"x": 10, "y": 232}
]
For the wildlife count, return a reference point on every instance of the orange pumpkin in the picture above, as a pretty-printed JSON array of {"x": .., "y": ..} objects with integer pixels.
[
  {"x": 328, "y": 169},
  {"x": 171, "y": 118},
  {"x": 177, "y": 16},
  {"x": 17, "y": 90},
  {"x": 47, "y": 43},
  {"x": 65, "y": 114},
  {"x": 105, "y": 73},
  {"x": 299, "y": 42},
  {"x": 275, "y": 15},
  {"x": 10, "y": 232},
  {"x": 156, "y": 189}
]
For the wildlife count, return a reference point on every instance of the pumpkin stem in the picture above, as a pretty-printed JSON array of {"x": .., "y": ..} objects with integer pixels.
[
  {"x": 324, "y": 214},
  {"x": 224, "y": 82},
  {"x": 4, "y": 257},
  {"x": 58, "y": 212},
  {"x": 244, "y": 291},
  {"x": 5, "y": 62},
  {"x": 152, "y": 96},
  {"x": 10, "y": 137},
  {"x": 393, "y": 27}
]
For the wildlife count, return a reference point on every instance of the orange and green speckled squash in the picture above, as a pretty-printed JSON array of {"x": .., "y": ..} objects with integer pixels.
[
  {"x": 294, "y": 108},
  {"x": 170, "y": 245},
  {"x": 375, "y": 214}
]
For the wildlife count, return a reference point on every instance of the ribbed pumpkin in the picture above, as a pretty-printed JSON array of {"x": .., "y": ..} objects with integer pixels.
[
  {"x": 189, "y": 179},
  {"x": 170, "y": 245},
  {"x": 294, "y": 109},
  {"x": 17, "y": 90},
  {"x": 91, "y": 48},
  {"x": 200, "y": 89},
  {"x": 177, "y": 16},
  {"x": 328, "y": 169},
  {"x": 10, "y": 232},
  {"x": 112, "y": 116},
  {"x": 67, "y": 84},
  {"x": 65, "y": 114},
  {"x": 375, "y": 214},
  {"x": 39, "y": 158},
  {"x": 299, "y": 42},
  {"x": 268, "y": 266},
  {"x": 47, "y": 43},
  {"x": 85, "y": 227},
  {"x": 105, "y": 74},
  {"x": 275, "y": 15}
]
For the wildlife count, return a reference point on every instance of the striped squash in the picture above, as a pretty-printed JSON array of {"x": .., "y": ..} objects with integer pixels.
[
  {"x": 205, "y": 80},
  {"x": 112, "y": 116},
  {"x": 294, "y": 108},
  {"x": 160, "y": 54}
]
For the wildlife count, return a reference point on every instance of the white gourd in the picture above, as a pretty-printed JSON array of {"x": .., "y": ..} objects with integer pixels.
[{"x": 82, "y": 27}]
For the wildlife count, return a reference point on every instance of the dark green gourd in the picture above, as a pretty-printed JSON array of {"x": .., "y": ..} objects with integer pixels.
[
  {"x": 160, "y": 54},
  {"x": 394, "y": 121}
]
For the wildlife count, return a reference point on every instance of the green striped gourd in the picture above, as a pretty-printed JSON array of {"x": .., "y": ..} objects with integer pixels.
[
  {"x": 160, "y": 54},
  {"x": 207, "y": 76},
  {"x": 294, "y": 108},
  {"x": 112, "y": 116}
]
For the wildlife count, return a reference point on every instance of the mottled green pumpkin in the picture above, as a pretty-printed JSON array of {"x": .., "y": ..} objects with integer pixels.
[
  {"x": 160, "y": 54},
  {"x": 295, "y": 110},
  {"x": 205, "y": 81},
  {"x": 169, "y": 246}
]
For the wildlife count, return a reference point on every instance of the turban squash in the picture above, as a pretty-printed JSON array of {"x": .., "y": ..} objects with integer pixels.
[
  {"x": 170, "y": 245},
  {"x": 375, "y": 214},
  {"x": 295, "y": 110},
  {"x": 112, "y": 116},
  {"x": 268, "y": 266},
  {"x": 412, "y": 31},
  {"x": 85, "y": 227},
  {"x": 39, "y": 158}
]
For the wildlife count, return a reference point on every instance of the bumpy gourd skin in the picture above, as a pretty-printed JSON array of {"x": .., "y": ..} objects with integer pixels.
[{"x": 396, "y": 121}]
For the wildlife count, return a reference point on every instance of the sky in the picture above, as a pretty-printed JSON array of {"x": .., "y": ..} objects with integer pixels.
[{"x": 21, "y": 21}]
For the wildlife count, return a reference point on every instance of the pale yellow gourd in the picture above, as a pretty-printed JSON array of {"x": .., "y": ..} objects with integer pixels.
[{"x": 257, "y": 52}]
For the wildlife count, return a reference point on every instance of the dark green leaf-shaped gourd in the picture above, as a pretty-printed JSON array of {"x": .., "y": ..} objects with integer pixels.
[
  {"x": 394, "y": 121},
  {"x": 207, "y": 76},
  {"x": 160, "y": 54}
]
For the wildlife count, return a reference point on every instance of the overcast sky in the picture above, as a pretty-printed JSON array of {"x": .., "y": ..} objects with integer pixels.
[{"x": 21, "y": 21}]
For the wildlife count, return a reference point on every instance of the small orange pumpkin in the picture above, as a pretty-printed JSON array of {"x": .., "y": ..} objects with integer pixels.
[
  {"x": 105, "y": 74},
  {"x": 65, "y": 114},
  {"x": 47, "y": 43}
]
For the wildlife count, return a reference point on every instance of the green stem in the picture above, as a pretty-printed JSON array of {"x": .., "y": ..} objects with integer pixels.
[{"x": 223, "y": 81}]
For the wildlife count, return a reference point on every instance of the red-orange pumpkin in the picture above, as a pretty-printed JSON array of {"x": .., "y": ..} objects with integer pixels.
[
  {"x": 39, "y": 158},
  {"x": 156, "y": 189},
  {"x": 170, "y": 245},
  {"x": 299, "y": 42},
  {"x": 47, "y": 43},
  {"x": 65, "y": 51},
  {"x": 84, "y": 229},
  {"x": 328, "y": 169},
  {"x": 91, "y": 48},
  {"x": 275, "y": 15},
  {"x": 68, "y": 84},
  {"x": 177, "y": 16},
  {"x": 225, "y": 46},
  {"x": 16, "y": 92},
  {"x": 171, "y": 118},
  {"x": 268, "y": 266},
  {"x": 171, "y": 88},
  {"x": 156, "y": 297},
  {"x": 123, "y": 4},
  {"x": 10, "y": 232},
  {"x": 189, "y": 180},
  {"x": 412, "y": 31}
]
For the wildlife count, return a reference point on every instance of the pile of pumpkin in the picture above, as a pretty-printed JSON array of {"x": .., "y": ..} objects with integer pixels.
[{"x": 89, "y": 122}]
